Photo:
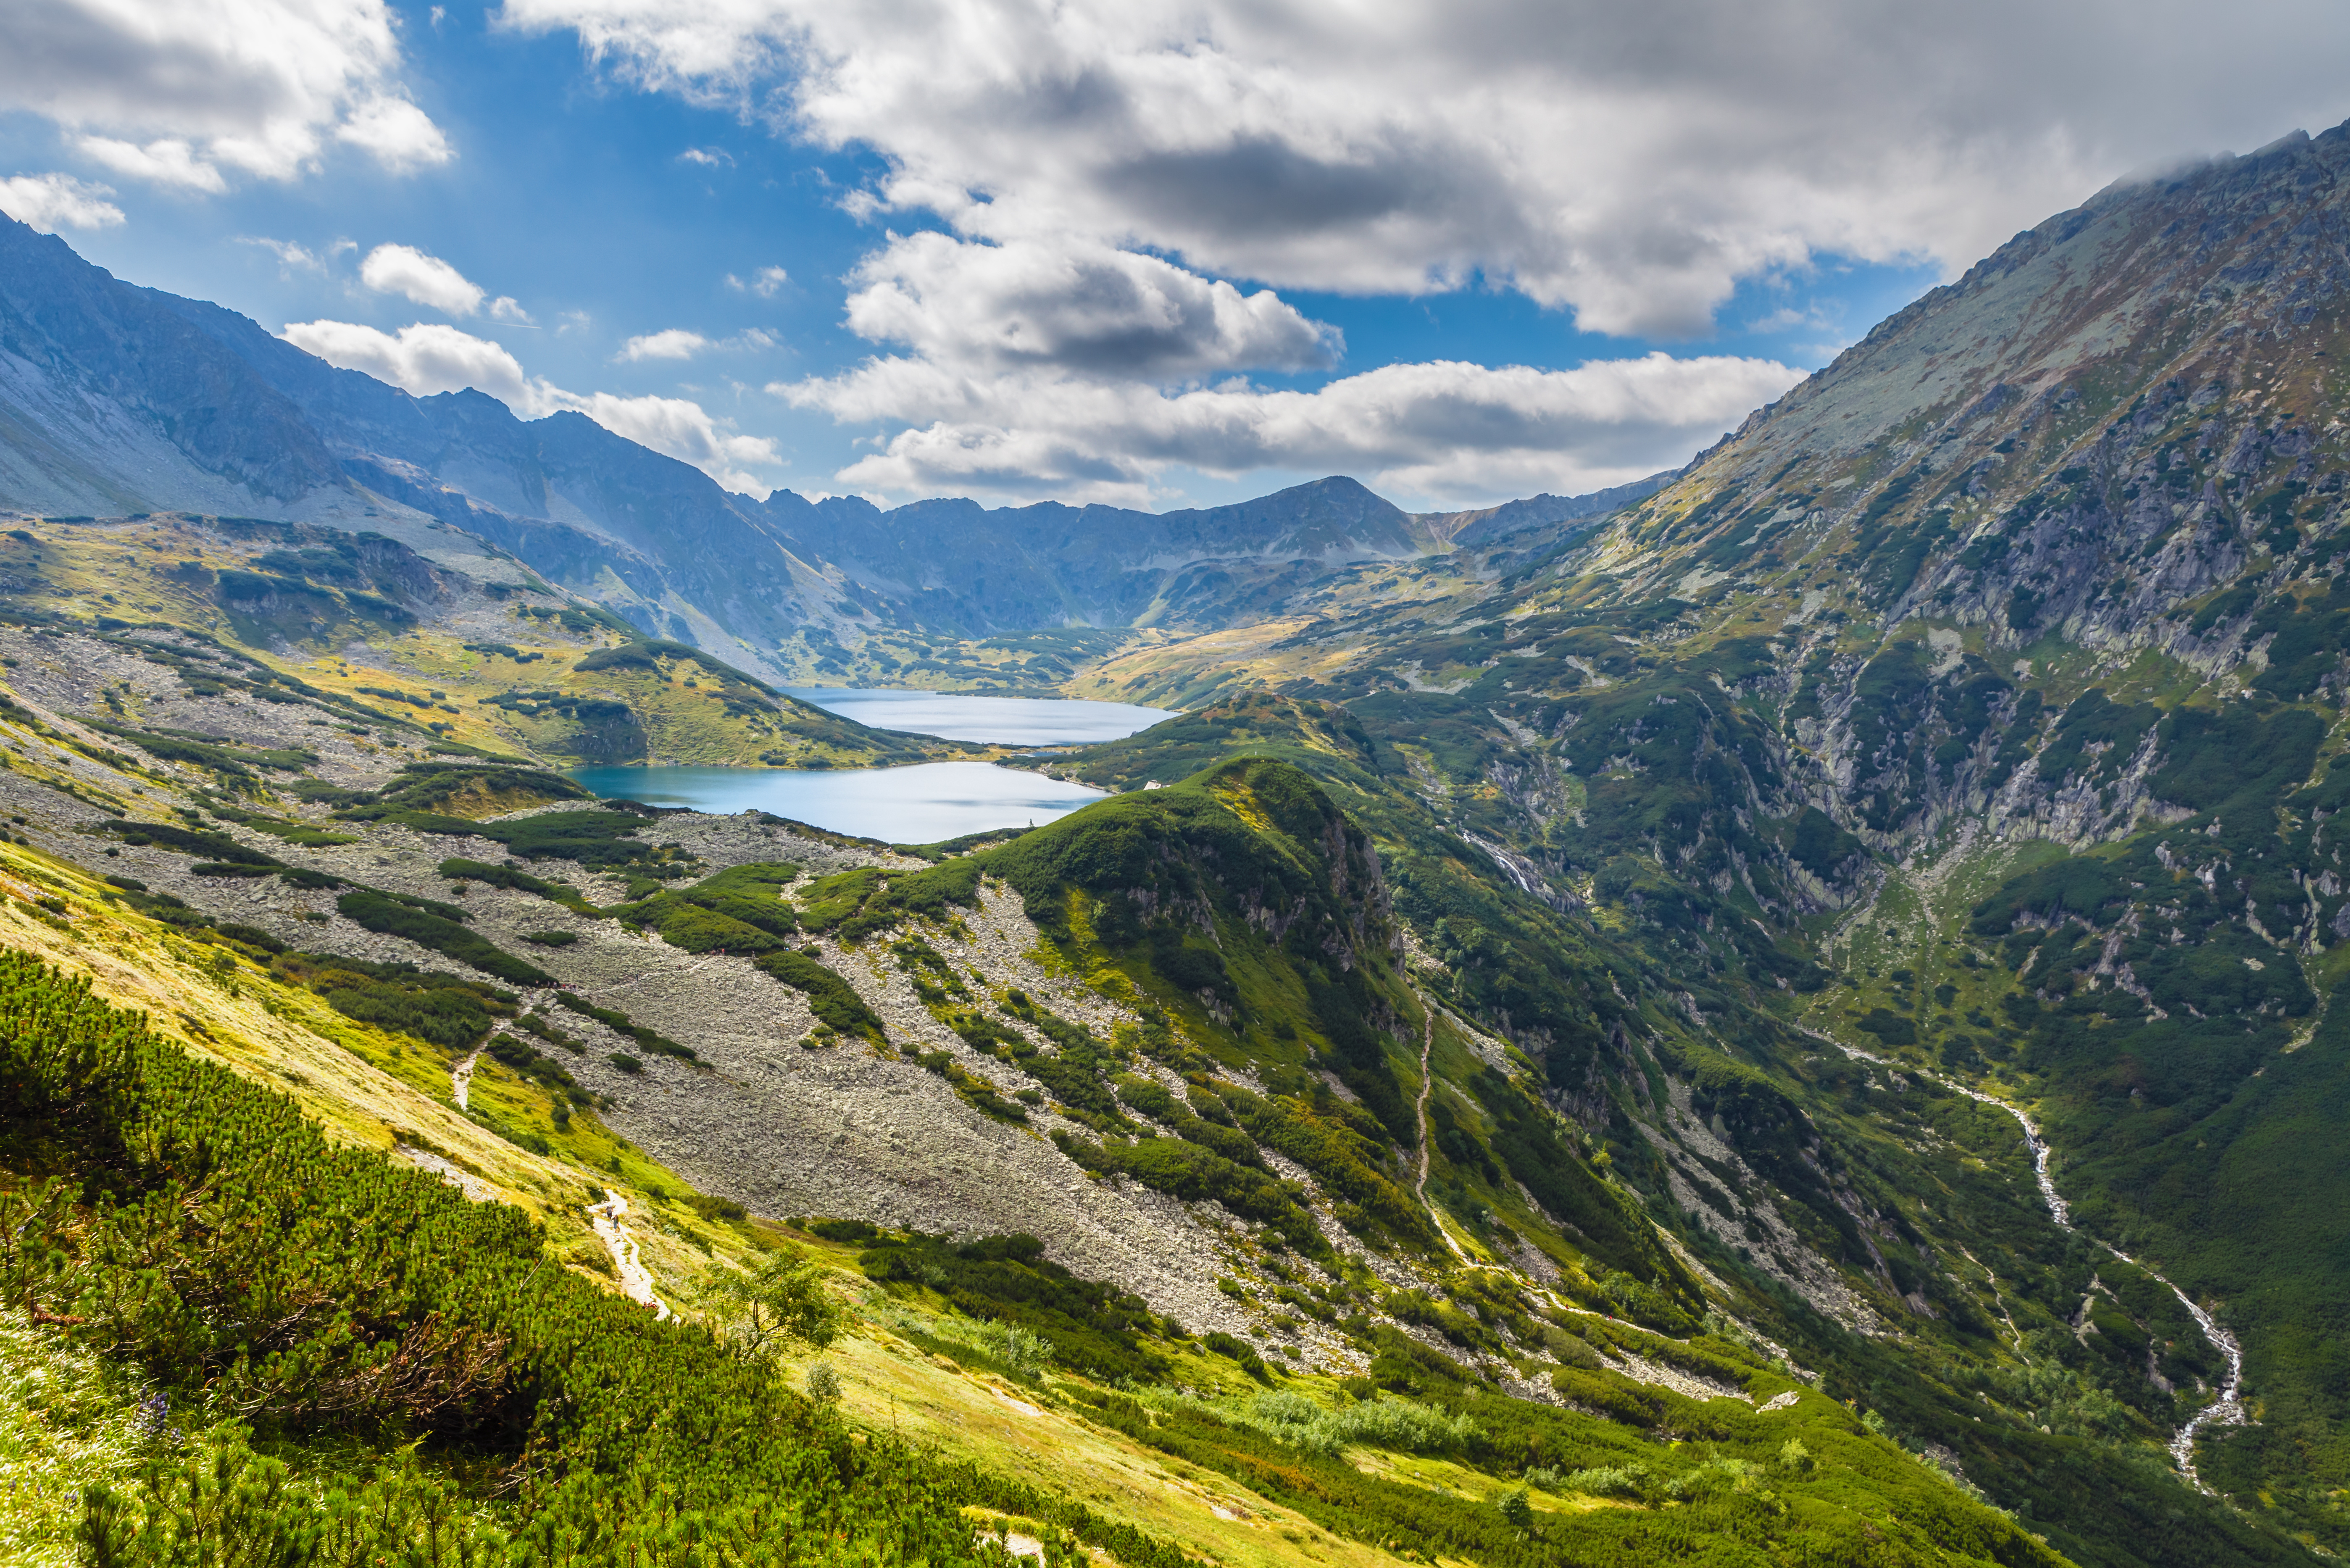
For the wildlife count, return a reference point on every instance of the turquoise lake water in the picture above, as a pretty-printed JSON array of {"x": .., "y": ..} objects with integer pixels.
[{"x": 919, "y": 804}]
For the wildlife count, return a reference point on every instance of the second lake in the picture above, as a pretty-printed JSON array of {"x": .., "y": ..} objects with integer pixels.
[{"x": 999, "y": 720}]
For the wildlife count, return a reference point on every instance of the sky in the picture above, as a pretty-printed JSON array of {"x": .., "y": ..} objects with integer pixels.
[{"x": 1158, "y": 252}]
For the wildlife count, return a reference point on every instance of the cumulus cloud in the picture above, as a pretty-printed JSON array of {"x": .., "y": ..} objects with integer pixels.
[
  {"x": 179, "y": 90},
  {"x": 1098, "y": 165},
  {"x": 1446, "y": 429},
  {"x": 1629, "y": 162},
  {"x": 167, "y": 160},
  {"x": 401, "y": 136},
  {"x": 429, "y": 357},
  {"x": 765, "y": 282},
  {"x": 52, "y": 202},
  {"x": 426, "y": 279},
  {"x": 681, "y": 428},
  {"x": 424, "y": 359},
  {"x": 1085, "y": 310},
  {"x": 673, "y": 343},
  {"x": 708, "y": 157}
]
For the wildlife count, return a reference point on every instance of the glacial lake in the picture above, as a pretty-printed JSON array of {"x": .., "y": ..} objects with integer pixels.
[
  {"x": 919, "y": 804},
  {"x": 998, "y": 721}
]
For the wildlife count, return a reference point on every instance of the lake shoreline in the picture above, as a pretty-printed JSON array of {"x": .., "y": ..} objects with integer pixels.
[{"x": 907, "y": 802}]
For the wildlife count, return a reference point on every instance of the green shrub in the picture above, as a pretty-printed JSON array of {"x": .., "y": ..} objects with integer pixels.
[
  {"x": 650, "y": 1433},
  {"x": 442, "y": 1009},
  {"x": 831, "y": 998},
  {"x": 620, "y": 1023},
  {"x": 381, "y": 912}
]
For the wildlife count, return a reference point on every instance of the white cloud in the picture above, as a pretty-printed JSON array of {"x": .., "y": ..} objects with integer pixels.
[
  {"x": 426, "y": 279},
  {"x": 678, "y": 343},
  {"x": 291, "y": 256},
  {"x": 503, "y": 309},
  {"x": 51, "y": 202},
  {"x": 1085, "y": 309},
  {"x": 429, "y": 357},
  {"x": 1099, "y": 164},
  {"x": 401, "y": 136},
  {"x": 423, "y": 359},
  {"x": 681, "y": 430},
  {"x": 765, "y": 282},
  {"x": 708, "y": 157},
  {"x": 196, "y": 87},
  {"x": 674, "y": 343},
  {"x": 1446, "y": 429},
  {"x": 1629, "y": 162},
  {"x": 165, "y": 161}
]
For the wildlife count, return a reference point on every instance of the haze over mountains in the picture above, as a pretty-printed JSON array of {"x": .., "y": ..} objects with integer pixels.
[{"x": 121, "y": 399}]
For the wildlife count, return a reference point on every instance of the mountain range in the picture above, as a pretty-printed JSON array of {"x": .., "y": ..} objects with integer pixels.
[{"x": 117, "y": 398}]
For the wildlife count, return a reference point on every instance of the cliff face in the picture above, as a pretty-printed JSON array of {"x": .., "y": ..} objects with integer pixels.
[
  {"x": 2107, "y": 417},
  {"x": 108, "y": 401},
  {"x": 2115, "y": 437}
]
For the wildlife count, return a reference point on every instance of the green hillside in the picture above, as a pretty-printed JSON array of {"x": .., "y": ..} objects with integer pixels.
[{"x": 253, "y": 1337}]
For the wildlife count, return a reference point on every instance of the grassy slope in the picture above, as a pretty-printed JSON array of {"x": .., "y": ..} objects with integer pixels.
[
  {"x": 1930, "y": 1172},
  {"x": 681, "y": 710},
  {"x": 372, "y": 1088},
  {"x": 376, "y": 1090}
]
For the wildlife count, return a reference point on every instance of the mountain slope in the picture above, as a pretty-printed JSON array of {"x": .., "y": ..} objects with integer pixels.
[
  {"x": 1976, "y": 706},
  {"x": 1172, "y": 1034},
  {"x": 113, "y": 402}
]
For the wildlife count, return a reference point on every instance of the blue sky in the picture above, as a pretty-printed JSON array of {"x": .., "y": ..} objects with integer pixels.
[{"x": 991, "y": 283}]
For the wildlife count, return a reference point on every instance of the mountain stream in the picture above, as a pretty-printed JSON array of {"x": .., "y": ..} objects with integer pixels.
[{"x": 2227, "y": 1409}]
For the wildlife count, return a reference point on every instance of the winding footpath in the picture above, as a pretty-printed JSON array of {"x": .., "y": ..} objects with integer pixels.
[
  {"x": 461, "y": 1079},
  {"x": 636, "y": 1280},
  {"x": 2227, "y": 1409},
  {"x": 1426, "y": 1084}
]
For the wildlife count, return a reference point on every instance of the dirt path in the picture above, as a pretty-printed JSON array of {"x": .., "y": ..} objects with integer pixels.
[
  {"x": 1426, "y": 1085},
  {"x": 636, "y": 1280},
  {"x": 461, "y": 1079}
]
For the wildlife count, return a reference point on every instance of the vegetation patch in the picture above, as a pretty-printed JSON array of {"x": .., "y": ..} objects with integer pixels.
[
  {"x": 381, "y": 912},
  {"x": 452, "y": 1014},
  {"x": 830, "y": 998},
  {"x": 459, "y": 1341},
  {"x": 620, "y": 1023},
  {"x": 1094, "y": 1329}
]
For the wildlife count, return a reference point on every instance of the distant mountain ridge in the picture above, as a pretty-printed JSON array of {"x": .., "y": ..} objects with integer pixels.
[{"x": 116, "y": 399}]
